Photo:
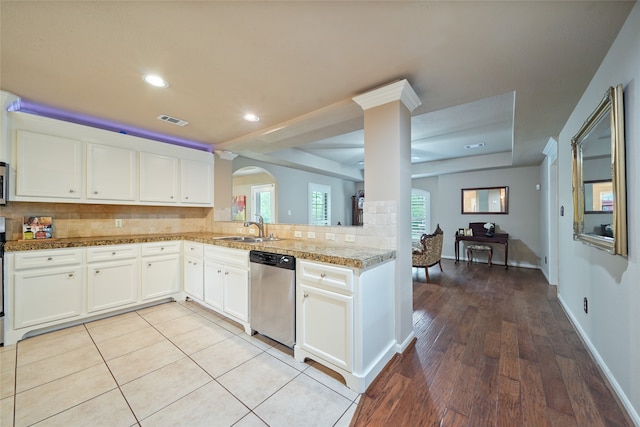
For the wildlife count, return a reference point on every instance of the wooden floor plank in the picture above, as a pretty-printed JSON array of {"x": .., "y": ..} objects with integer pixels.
[
  {"x": 493, "y": 347},
  {"x": 534, "y": 407}
]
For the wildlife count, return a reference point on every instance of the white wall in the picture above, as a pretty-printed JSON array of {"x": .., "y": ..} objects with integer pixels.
[
  {"x": 611, "y": 283},
  {"x": 522, "y": 222}
]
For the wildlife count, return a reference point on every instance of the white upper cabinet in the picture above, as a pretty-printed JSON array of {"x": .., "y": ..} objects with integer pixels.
[
  {"x": 50, "y": 166},
  {"x": 196, "y": 183},
  {"x": 158, "y": 178},
  {"x": 57, "y": 161},
  {"x": 111, "y": 173}
]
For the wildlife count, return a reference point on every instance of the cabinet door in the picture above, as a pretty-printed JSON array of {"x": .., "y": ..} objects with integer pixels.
[
  {"x": 46, "y": 295},
  {"x": 213, "y": 284},
  {"x": 194, "y": 277},
  {"x": 112, "y": 284},
  {"x": 236, "y": 293},
  {"x": 160, "y": 276},
  {"x": 48, "y": 166},
  {"x": 196, "y": 182},
  {"x": 111, "y": 173},
  {"x": 325, "y": 325},
  {"x": 158, "y": 178}
]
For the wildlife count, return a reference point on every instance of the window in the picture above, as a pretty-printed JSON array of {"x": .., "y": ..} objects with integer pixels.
[
  {"x": 319, "y": 204},
  {"x": 263, "y": 202},
  {"x": 420, "y": 215}
]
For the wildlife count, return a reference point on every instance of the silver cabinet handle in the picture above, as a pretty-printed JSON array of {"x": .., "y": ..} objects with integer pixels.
[
  {"x": 149, "y": 265},
  {"x": 219, "y": 271},
  {"x": 113, "y": 253},
  {"x": 305, "y": 296},
  {"x": 162, "y": 248},
  {"x": 50, "y": 259},
  {"x": 95, "y": 192},
  {"x": 322, "y": 275},
  {"x": 71, "y": 275},
  {"x": 226, "y": 273},
  {"x": 72, "y": 191},
  {"x": 97, "y": 271}
]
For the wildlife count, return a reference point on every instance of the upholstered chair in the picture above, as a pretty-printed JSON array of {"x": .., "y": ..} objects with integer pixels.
[{"x": 429, "y": 252}]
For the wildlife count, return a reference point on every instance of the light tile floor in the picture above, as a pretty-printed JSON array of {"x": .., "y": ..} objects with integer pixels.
[{"x": 169, "y": 365}]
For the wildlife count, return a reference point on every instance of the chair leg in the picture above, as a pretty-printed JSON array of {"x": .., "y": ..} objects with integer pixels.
[
  {"x": 440, "y": 266},
  {"x": 426, "y": 271}
]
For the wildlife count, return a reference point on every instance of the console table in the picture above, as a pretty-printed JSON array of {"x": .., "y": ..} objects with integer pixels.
[{"x": 502, "y": 238}]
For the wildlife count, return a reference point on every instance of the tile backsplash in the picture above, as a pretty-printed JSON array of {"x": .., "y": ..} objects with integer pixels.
[{"x": 83, "y": 220}]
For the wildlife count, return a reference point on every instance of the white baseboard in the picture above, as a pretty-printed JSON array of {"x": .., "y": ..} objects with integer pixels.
[
  {"x": 603, "y": 366},
  {"x": 401, "y": 347}
]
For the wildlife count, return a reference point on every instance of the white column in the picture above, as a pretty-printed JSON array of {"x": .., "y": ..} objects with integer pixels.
[{"x": 387, "y": 186}]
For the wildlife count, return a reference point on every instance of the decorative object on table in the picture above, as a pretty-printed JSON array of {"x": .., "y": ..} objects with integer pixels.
[
  {"x": 468, "y": 232},
  {"x": 460, "y": 231},
  {"x": 491, "y": 228},
  {"x": 429, "y": 252},
  {"x": 238, "y": 208},
  {"x": 37, "y": 227}
]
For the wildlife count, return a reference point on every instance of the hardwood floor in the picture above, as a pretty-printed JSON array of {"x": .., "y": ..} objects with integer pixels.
[{"x": 494, "y": 348}]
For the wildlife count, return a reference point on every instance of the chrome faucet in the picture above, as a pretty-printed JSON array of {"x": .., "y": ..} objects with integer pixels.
[{"x": 259, "y": 224}]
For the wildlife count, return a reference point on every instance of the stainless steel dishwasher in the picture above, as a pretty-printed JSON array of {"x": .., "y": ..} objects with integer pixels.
[{"x": 273, "y": 296}]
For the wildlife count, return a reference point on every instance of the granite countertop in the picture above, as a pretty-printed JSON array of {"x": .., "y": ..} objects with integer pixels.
[{"x": 349, "y": 255}]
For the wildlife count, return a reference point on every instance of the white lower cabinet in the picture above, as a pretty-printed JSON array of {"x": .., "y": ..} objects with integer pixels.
[
  {"x": 46, "y": 295},
  {"x": 44, "y": 286},
  {"x": 193, "y": 270},
  {"x": 160, "y": 273},
  {"x": 113, "y": 277},
  {"x": 236, "y": 293},
  {"x": 226, "y": 282},
  {"x": 326, "y": 325},
  {"x": 213, "y": 284},
  {"x": 194, "y": 277},
  {"x": 51, "y": 287},
  {"x": 345, "y": 318}
]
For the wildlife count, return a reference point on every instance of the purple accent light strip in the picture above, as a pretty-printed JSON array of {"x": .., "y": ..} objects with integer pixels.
[{"x": 26, "y": 106}]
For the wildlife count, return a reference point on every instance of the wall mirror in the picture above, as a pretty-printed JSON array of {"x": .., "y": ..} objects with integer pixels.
[
  {"x": 599, "y": 182},
  {"x": 487, "y": 200}
]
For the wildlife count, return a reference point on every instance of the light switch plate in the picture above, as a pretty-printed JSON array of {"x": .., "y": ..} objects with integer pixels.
[
  {"x": 349, "y": 238},
  {"x": 330, "y": 236},
  {"x": 297, "y": 234},
  {"x": 311, "y": 234}
]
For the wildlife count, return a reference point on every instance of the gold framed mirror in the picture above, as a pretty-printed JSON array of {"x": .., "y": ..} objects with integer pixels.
[
  {"x": 599, "y": 177},
  {"x": 485, "y": 200}
]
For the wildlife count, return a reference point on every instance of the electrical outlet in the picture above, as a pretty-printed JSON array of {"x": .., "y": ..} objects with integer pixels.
[
  {"x": 118, "y": 223},
  {"x": 330, "y": 236},
  {"x": 297, "y": 234},
  {"x": 311, "y": 234},
  {"x": 586, "y": 305},
  {"x": 349, "y": 238}
]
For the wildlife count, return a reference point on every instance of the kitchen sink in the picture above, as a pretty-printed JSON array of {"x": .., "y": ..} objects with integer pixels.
[{"x": 246, "y": 239}]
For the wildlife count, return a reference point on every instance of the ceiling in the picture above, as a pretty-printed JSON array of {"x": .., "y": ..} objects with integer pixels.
[{"x": 505, "y": 73}]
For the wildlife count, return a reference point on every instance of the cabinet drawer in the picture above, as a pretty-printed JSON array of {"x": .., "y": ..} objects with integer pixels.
[
  {"x": 35, "y": 259},
  {"x": 193, "y": 249},
  {"x": 159, "y": 248},
  {"x": 105, "y": 253},
  {"x": 230, "y": 257},
  {"x": 325, "y": 275}
]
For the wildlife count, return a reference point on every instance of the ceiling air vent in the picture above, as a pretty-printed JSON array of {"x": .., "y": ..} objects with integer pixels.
[{"x": 173, "y": 120}]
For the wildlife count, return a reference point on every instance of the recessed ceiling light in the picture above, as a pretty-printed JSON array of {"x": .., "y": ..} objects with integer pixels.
[
  {"x": 478, "y": 145},
  {"x": 155, "y": 80},
  {"x": 250, "y": 117}
]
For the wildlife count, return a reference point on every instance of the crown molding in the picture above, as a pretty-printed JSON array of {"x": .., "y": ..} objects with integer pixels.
[{"x": 398, "y": 91}]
